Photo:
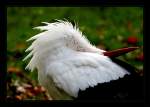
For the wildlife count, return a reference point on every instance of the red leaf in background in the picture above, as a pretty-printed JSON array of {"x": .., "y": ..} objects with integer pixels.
[
  {"x": 132, "y": 39},
  {"x": 140, "y": 57},
  {"x": 38, "y": 89},
  {"x": 13, "y": 70},
  {"x": 18, "y": 97}
]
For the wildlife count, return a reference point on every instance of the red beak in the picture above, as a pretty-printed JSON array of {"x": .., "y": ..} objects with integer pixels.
[{"x": 119, "y": 52}]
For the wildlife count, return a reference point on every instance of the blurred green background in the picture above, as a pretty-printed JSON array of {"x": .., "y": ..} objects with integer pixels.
[{"x": 106, "y": 27}]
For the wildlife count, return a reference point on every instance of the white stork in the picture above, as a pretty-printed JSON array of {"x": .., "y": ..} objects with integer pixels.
[{"x": 70, "y": 67}]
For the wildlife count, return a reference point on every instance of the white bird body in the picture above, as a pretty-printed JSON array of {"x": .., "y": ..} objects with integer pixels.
[{"x": 67, "y": 62}]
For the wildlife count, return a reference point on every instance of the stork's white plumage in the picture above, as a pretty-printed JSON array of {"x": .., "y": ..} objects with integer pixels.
[{"x": 67, "y": 62}]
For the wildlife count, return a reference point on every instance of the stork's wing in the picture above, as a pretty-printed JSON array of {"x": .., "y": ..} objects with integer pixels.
[{"x": 83, "y": 70}]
